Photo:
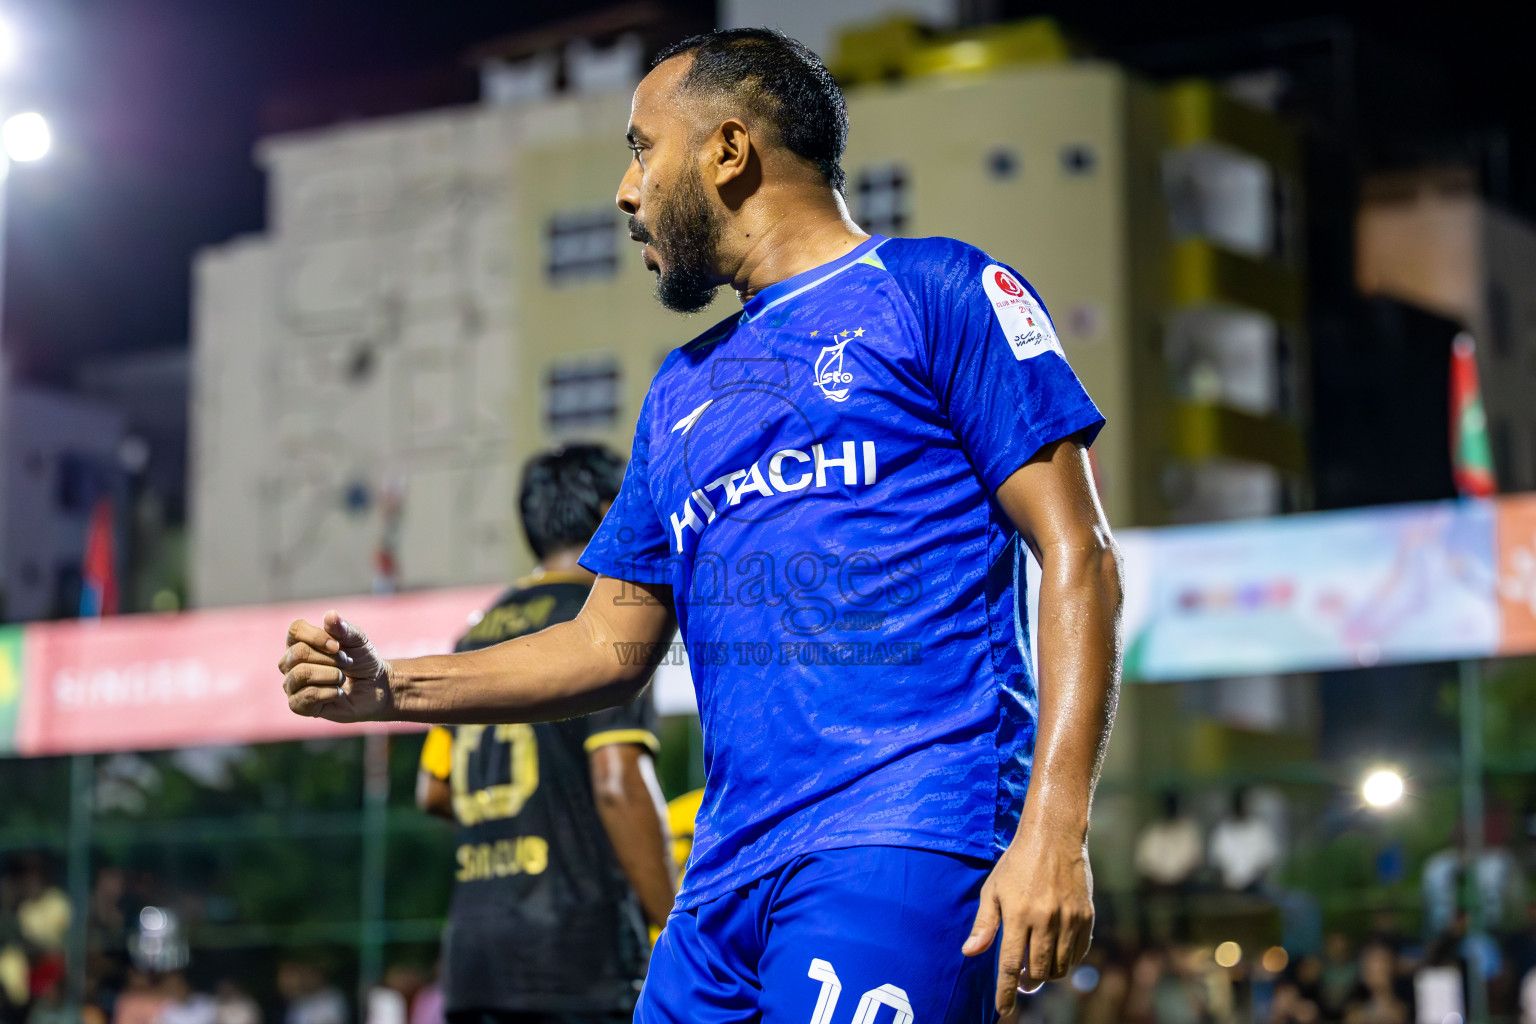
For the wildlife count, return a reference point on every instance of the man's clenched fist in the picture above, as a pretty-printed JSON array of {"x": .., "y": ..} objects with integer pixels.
[{"x": 334, "y": 672}]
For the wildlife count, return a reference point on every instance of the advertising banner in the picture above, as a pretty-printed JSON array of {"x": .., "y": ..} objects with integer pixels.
[
  {"x": 1517, "y": 574},
  {"x": 1320, "y": 591},
  {"x": 12, "y": 683},
  {"x": 197, "y": 678},
  {"x": 1331, "y": 590}
]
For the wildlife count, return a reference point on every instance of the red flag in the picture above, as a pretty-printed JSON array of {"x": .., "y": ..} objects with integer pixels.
[
  {"x": 1471, "y": 453},
  {"x": 98, "y": 573}
]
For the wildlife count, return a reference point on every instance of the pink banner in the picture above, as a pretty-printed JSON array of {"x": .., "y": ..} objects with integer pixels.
[{"x": 146, "y": 682}]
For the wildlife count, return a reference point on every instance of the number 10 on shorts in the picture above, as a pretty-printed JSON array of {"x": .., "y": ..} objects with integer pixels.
[{"x": 869, "y": 1003}]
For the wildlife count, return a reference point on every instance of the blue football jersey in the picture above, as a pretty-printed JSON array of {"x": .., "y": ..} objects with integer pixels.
[{"x": 813, "y": 478}]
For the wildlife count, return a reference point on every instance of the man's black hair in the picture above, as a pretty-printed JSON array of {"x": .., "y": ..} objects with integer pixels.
[
  {"x": 563, "y": 494},
  {"x": 781, "y": 81}
]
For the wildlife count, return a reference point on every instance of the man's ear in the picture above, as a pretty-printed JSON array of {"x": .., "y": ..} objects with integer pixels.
[{"x": 733, "y": 152}]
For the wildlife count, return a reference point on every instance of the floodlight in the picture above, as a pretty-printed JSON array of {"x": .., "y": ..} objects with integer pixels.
[
  {"x": 1382, "y": 788},
  {"x": 26, "y": 137}
]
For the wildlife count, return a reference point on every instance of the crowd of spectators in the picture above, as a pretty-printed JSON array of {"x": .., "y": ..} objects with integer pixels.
[
  {"x": 34, "y": 922},
  {"x": 138, "y": 968},
  {"x": 306, "y": 996},
  {"x": 1384, "y": 977}
]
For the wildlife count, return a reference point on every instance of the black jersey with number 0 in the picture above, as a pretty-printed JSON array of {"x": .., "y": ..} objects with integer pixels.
[{"x": 542, "y": 918}]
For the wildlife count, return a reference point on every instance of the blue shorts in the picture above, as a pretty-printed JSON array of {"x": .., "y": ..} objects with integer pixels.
[{"x": 865, "y": 935}]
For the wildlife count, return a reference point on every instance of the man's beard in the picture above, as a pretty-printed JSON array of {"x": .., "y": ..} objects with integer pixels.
[{"x": 687, "y": 238}]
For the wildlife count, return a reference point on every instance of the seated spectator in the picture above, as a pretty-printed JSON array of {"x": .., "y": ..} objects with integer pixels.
[
  {"x": 310, "y": 997},
  {"x": 233, "y": 1005},
  {"x": 1289, "y": 1006},
  {"x": 1168, "y": 852},
  {"x": 1339, "y": 975},
  {"x": 1306, "y": 973},
  {"x": 1377, "y": 998},
  {"x": 48, "y": 1003},
  {"x": 1244, "y": 847},
  {"x": 1179, "y": 996},
  {"x": 184, "y": 1006},
  {"x": 140, "y": 1002}
]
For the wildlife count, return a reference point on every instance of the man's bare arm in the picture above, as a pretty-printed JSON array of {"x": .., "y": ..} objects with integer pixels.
[
  {"x": 434, "y": 796},
  {"x": 598, "y": 660},
  {"x": 632, "y": 811},
  {"x": 1041, "y": 891}
]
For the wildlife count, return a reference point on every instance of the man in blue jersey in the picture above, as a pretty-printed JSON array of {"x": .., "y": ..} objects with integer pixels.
[{"x": 831, "y": 492}]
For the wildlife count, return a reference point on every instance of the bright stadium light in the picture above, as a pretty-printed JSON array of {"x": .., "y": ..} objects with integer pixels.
[
  {"x": 26, "y": 137},
  {"x": 1382, "y": 788}
]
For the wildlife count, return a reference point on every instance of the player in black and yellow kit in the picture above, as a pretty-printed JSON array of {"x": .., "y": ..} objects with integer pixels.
[{"x": 563, "y": 849}]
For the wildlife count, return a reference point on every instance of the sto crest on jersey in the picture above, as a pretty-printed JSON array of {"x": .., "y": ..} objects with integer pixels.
[{"x": 831, "y": 375}]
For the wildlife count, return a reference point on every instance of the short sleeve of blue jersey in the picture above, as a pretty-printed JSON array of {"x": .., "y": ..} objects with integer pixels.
[
  {"x": 631, "y": 542},
  {"x": 995, "y": 361}
]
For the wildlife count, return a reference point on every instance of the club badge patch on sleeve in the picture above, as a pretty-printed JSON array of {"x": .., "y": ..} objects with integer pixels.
[{"x": 1024, "y": 323}]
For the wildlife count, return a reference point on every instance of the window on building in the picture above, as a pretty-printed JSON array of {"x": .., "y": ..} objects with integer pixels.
[
  {"x": 582, "y": 396},
  {"x": 583, "y": 245},
  {"x": 881, "y": 200}
]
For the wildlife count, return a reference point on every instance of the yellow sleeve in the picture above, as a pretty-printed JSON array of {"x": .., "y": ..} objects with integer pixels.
[
  {"x": 681, "y": 812},
  {"x": 642, "y": 737},
  {"x": 437, "y": 752}
]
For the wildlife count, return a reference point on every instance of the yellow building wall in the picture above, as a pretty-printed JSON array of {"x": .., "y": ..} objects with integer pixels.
[{"x": 1067, "y": 232}]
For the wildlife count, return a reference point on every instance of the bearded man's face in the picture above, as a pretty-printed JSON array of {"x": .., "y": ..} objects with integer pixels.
[
  {"x": 685, "y": 234},
  {"x": 670, "y": 206}
]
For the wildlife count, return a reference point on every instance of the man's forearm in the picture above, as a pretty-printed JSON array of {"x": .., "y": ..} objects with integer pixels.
[
  {"x": 560, "y": 672},
  {"x": 598, "y": 660},
  {"x": 1079, "y": 641},
  {"x": 629, "y": 803},
  {"x": 1039, "y": 897},
  {"x": 434, "y": 796}
]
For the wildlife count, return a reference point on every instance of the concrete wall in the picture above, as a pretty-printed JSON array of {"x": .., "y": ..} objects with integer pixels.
[{"x": 363, "y": 345}]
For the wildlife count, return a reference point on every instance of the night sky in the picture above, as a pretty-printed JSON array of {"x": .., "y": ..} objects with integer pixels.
[
  {"x": 155, "y": 107},
  {"x": 156, "y": 104}
]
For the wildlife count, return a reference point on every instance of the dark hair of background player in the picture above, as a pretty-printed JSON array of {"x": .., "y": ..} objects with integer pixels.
[
  {"x": 564, "y": 495},
  {"x": 781, "y": 81}
]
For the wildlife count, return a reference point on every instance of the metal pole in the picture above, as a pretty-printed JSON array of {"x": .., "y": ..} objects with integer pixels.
[
  {"x": 375, "y": 837},
  {"x": 82, "y": 777},
  {"x": 1472, "y": 826}
]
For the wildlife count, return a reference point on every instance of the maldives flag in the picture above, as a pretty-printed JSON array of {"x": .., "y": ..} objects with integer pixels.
[
  {"x": 1471, "y": 454},
  {"x": 98, "y": 572}
]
